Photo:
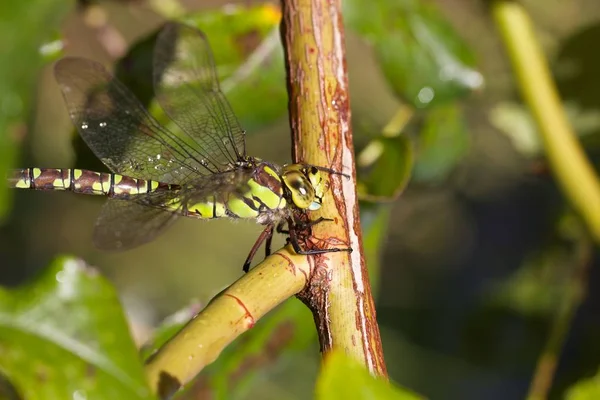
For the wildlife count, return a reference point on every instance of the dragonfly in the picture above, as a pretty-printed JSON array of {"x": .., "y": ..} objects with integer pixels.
[{"x": 157, "y": 175}]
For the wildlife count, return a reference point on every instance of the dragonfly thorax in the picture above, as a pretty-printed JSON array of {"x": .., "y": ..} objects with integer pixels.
[{"x": 305, "y": 184}]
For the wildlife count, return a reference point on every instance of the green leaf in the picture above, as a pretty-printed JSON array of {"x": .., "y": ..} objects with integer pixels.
[
  {"x": 53, "y": 48},
  {"x": 24, "y": 27},
  {"x": 248, "y": 54},
  {"x": 244, "y": 366},
  {"x": 285, "y": 331},
  {"x": 374, "y": 219},
  {"x": 586, "y": 389},
  {"x": 385, "y": 167},
  {"x": 168, "y": 328},
  {"x": 65, "y": 336},
  {"x": 344, "y": 378},
  {"x": 516, "y": 122},
  {"x": 538, "y": 286},
  {"x": 423, "y": 58},
  {"x": 547, "y": 279},
  {"x": 443, "y": 141}
]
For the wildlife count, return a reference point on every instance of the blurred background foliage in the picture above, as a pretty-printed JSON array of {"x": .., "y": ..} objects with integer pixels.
[{"x": 477, "y": 261}]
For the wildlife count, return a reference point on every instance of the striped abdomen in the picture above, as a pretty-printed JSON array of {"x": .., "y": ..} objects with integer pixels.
[
  {"x": 259, "y": 191},
  {"x": 83, "y": 181}
]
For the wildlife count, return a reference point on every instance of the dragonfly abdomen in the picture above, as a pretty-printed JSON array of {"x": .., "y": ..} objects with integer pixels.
[{"x": 82, "y": 181}]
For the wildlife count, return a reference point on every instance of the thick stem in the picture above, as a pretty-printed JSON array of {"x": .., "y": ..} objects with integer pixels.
[
  {"x": 339, "y": 292},
  {"x": 227, "y": 316}
]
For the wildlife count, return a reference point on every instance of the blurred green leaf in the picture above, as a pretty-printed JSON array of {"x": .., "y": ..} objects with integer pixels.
[
  {"x": 52, "y": 49},
  {"x": 538, "y": 286},
  {"x": 586, "y": 389},
  {"x": 283, "y": 334},
  {"x": 64, "y": 336},
  {"x": 344, "y": 378},
  {"x": 551, "y": 277},
  {"x": 374, "y": 220},
  {"x": 516, "y": 122},
  {"x": 443, "y": 141},
  {"x": 423, "y": 58},
  {"x": 249, "y": 59},
  {"x": 249, "y": 56},
  {"x": 240, "y": 371},
  {"x": 385, "y": 167},
  {"x": 24, "y": 26},
  {"x": 168, "y": 328}
]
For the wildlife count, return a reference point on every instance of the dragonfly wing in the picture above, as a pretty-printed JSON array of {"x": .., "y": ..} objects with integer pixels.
[
  {"x": 125, "y": 224},
  {"x": 119, "y": 130},
  {"x": 187, "y": 87}
]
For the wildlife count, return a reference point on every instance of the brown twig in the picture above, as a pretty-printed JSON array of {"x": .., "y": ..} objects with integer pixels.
[{"x": 338, "y": 291}]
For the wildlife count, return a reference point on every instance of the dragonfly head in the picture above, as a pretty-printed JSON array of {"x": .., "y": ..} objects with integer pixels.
[{"x": 306, "y": 185}]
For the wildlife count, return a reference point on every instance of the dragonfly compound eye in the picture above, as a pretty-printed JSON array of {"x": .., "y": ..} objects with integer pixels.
[
  {"x": 303, "y": 193},
  {"x": 319, "y": 183}
]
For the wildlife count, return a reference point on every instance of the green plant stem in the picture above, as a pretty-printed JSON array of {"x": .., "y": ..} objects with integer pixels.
[
  {"x": 232, "y": 312},
  {"x": 567, "y": 159},
  {"x": 338, "y": 292}
]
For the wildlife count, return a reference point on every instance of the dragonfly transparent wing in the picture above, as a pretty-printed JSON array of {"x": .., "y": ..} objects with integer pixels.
[
  {"x": 187, "y": 87},
  {"x": 125, "y": 224},
  {"x": 119, "y": 130}
]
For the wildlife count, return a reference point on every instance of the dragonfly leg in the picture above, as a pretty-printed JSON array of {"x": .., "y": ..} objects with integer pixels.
[
  {"x": 310, "y": 224},
  {"x": 293, "y": 239},
  {"x": 301, "y": 225},
  {"x": 280, "y": 229},
  {"x": 268, "y": 241},
  {"x": 266, "y": 234},
  {"x": 322, "y": 251}
]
